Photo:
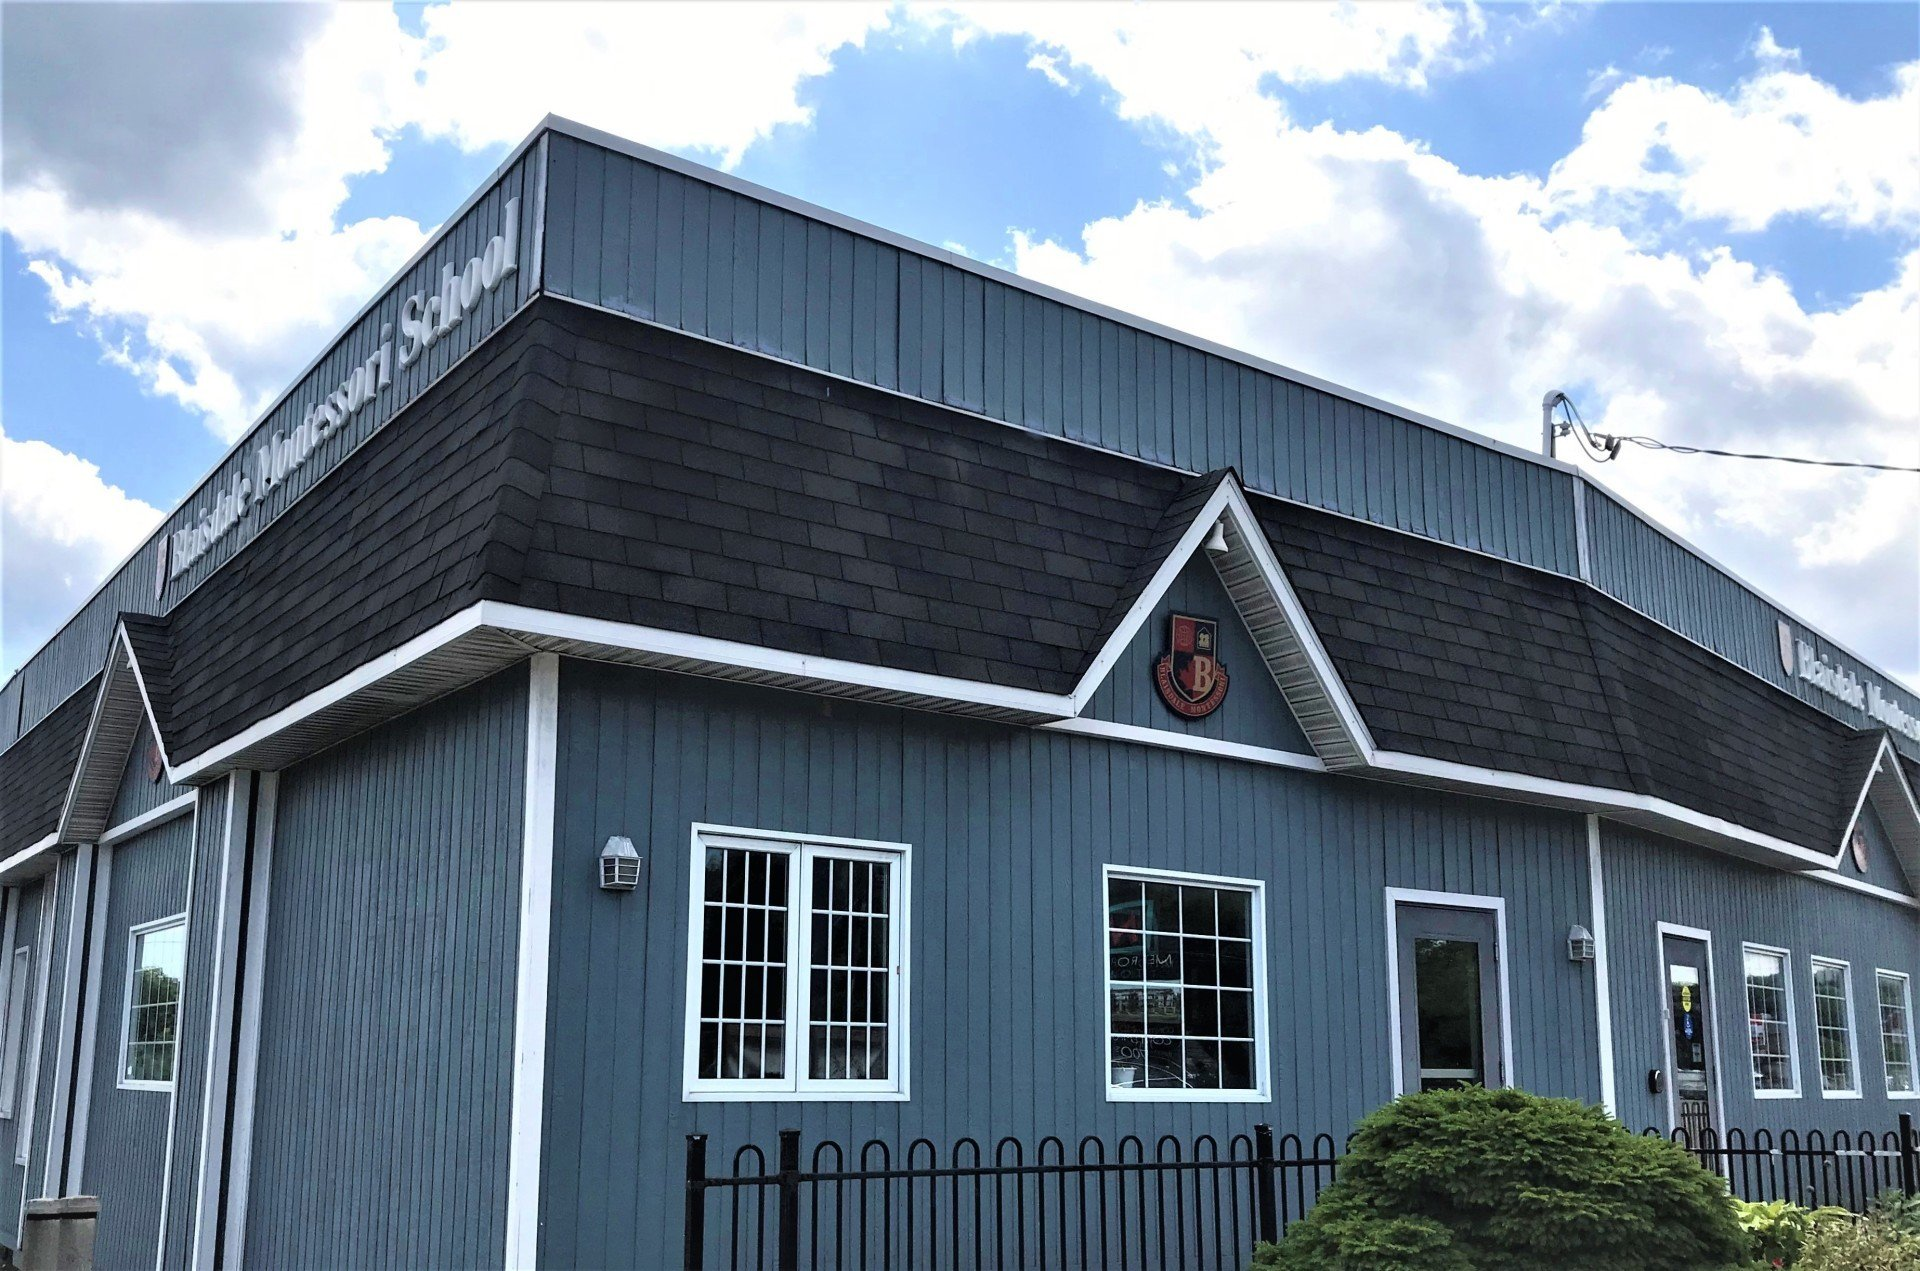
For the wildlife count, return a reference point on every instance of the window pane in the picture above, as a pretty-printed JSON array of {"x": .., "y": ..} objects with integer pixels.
[
  {"x": 157, "y": 960},
  {"x": 1447, "y": 999},
  {"x": 1170, "y": 946},
  {"x": 1896, "y": 1033},
  {"x": 1833, "y": 1027},
  {"x": 743, "y": 986},
  {"x": 1767, "y": 1026},
  {"x": 850, "y": 970}
]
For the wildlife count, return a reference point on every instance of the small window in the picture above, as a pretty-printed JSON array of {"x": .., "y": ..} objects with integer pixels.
[
  {"x": 797, "y": 988},
  {"x": 1770, "y": 1023},
  {"x": 1186, "y": 987},
  {"x": 1896, "y": 1032},
  {"x": 15, "y": 1024},
  {"x": 156, "y": 961},
  {"x": 1833, "y": 1028}
]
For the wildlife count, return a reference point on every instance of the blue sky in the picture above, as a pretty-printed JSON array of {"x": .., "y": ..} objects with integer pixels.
[{"x": 1445, "y": 207}]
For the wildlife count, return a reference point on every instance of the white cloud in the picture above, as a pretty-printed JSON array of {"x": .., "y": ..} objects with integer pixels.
[
  {"x": 1365, "y": 258},
  {"x": 61, "y": 529},
  {"x": 1783, "y": 143}
]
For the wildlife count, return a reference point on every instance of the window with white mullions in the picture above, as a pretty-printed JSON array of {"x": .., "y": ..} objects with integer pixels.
[
  {"x": 796, "y": 989},
  {"x": 16, "y": 1028},
  {"x": 1770, "y": 1023},
  {"x": 156, "y": 961},
  {"x": 1895, "y": 992},
  {"x": 1833, "y": 1027},
  {"x": 1185, "y": 979}
]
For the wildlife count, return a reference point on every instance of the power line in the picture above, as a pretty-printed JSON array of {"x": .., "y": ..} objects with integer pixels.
[{"x": 1603, "y": 447}]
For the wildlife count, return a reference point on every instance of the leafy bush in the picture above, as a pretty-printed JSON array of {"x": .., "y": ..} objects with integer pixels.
[
  {"x": 1501, "y": 1180},
  {"x": 1777, "y": 1229},
  {"x": 1873, "y": 1243},
  {"x": 1900, "y": 1210}
]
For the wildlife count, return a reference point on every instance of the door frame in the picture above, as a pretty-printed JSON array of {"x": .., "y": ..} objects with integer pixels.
[
  {"x": 1497, "y": 906},
  {"x": 1661, "y": 931}
]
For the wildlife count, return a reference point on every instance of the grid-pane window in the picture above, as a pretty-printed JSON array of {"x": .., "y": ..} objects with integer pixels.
[
  {"x": 797, "y": 986},
  {"x": 1770, "y": 1020},
  {"x": 157, "y": 960},
  {"x": 1896, "y": 1030},
  {"x": 1833, "y": 1026},
  {"x": 1183, "y": 985},
  {"x": 16, "y": 1028}
]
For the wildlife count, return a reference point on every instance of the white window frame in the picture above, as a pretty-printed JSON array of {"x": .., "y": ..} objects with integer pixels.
[
  {"x": 1793, "y": 1024},
  {"x": 13, "y": 1031},
  {"x": 1880, "y": 1031},
  {"x": 134, "y": 933},
  {"x": 1262, "y": 1034},
  {"x": 796, "y": 1087},
  {"x": 1495, "y": 905},
  {"x": 1814, "y": 964}
]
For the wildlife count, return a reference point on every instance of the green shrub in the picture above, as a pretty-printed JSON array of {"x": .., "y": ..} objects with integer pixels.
[
  {"x": 1778, "y": 1229},
  {"x": 1873, "y": 1243},
  {"x": 1501, "y": 1180},
  {"x": 1900, "y": 1210}
]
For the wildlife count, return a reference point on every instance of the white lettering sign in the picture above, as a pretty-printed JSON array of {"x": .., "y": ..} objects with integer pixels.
[
  {"x": 424, "y": 320},
  {"x": 1871, "y": 698}
]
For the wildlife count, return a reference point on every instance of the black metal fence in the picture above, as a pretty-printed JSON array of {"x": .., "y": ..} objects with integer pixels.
[{"x": 1202, "y": 1204}]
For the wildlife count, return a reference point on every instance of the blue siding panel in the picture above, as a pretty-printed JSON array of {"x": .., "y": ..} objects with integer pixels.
[
  {"x": 47, "y": 1076},
  {"x": 126, "y": 1146},
  {"x": 1651, "y": 880},
  {"x": 139, "y": 793},
  {"x": 196, "y": 1002},
  {"x": 380, "y": 1122},
  {"x": 1009, "y": 829},
  {"x": 30, "y": 923}
]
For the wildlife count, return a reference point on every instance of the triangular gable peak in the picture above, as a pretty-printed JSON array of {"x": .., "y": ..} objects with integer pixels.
[
  {"x": 118, "y": 711},
  {"x": 1885, "y": 787},
  {"x": 1264, "y": 601}
]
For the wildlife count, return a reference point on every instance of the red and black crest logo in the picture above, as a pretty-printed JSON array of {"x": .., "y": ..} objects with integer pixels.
[{"x": 1189, "y": 674}]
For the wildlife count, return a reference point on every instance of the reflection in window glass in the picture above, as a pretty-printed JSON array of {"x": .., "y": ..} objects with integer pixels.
[
  {"x": 1180, "y": 1005},
  {"x": 1447, "y": 997},
  {"x": 158, "y": 960},
  {"x": 1896, "y": 1031},
  {"x": 1769, "y": 1023},
  {"x": 1833, "y": 1027}
]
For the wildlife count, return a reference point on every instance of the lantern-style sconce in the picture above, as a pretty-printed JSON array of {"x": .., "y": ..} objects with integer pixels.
[
  {"x": 1579, "y": 944},
  {"x": 619, "y": 865}
]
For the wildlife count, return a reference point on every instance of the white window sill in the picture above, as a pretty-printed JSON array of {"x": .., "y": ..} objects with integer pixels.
[
  {"x": 1776, "y": 1094},
  {"x": 794, "y": 1096},
  {"x": 1133, "y": 1094},
  {"x": 162, "y": 1087},
  {"x": 1903, "y": 1094},
  {"x": 1839, "y": 1094}
]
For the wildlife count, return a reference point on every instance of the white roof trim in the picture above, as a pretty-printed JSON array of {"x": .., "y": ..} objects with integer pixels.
[
  {"x": 96, "y": 773},
  {"x": 1893, "y": 798},
  {"x": 1290, "y": 647},
  {"x": 29, "y": 862}
]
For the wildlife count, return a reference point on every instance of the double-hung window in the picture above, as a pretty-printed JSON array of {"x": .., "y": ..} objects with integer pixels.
[
  {"x": 156, "y": 961},
  {"x": 1833, "y": 1028},
  {"x": 12, "y": 1044},
  {"x": 1186, "y": 987},
  {"x": 1770, "y": 1024},
  {"x": 1895, "y": 991},
  {"x": 797, "y": 977}
]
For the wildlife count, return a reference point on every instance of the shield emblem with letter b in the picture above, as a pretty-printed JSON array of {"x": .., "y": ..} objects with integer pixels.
[
  {"x": 1786, "y": 647},
  {"x": 1191, "y": 678}
]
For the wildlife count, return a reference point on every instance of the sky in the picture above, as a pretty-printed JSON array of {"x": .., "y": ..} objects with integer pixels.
[{"x": 1700, "y": 220}]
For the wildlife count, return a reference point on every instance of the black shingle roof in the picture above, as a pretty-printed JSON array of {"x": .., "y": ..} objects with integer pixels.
[
  {"x": 594, "y": 466},
  {"x": 36, "y": 771}
]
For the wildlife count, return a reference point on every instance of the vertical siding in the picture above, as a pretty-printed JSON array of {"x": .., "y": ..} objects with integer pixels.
[
  {"x": 1883, "y": 867},
  {"x": 139, "y": 793},
  {"x": 380, "y": 1118},
  {"x": 1009, "y": 829},
  {"x": 13, "y": 1171},
  {"x": 196, "y": 1001},
  {"x": 75, "y": 652},
  {"x": 51, "y": 1026},
  {"x": 655, "y": 244},
  {"x": 1254, "y": 712},
  {"x": 1650, "y": 880},
  {"x": 127, "y": 1129}
]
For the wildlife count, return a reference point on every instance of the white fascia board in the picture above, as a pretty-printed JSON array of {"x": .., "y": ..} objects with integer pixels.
[
  {"x": 1594, "y": 798},
  {"x": 1150, "y": 596},
  {"x": 1835, "y": 879},
  {"x": 1866, "y": 788},
  {"x": 516, "y": 620},
  {"x": 172, "y": 809},
  {"x": 83, "y": 760},
  {"x": 1167, "y": 739},
  {"x": 362, "y": 676},
  {"x": 40, "y": 856},
  {"x": 119, "y": 657},
  {"x": 146, "y": 699}
]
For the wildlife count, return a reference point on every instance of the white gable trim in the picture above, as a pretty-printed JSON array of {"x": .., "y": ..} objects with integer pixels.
[
  {"x": 1893, "y": 798},
  {"x": 117, "y": 711},
  {"x": 1273, "y": 615}
]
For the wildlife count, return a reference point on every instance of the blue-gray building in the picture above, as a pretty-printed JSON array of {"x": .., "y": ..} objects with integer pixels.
[{"x": 683, "y": 661}]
